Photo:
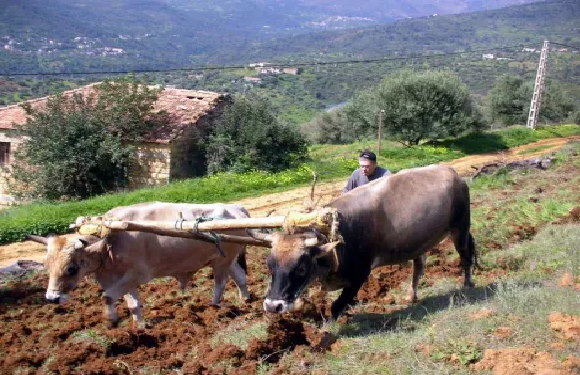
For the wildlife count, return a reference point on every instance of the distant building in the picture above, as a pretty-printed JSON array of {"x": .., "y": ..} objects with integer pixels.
[
  {"x": 268, "y": 70},
  {"x": 487, "y": 56},
  {"x": 260, "y": 64},
  {"x": 277, "y": 70},
  {"x": 253, "y": 79},
  {"x": 529, "y": 50},
  {"x": 293, "y": 71}
]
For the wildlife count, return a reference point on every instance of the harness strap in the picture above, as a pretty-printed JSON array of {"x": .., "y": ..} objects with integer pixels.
[{"x": 212, "y": 236}]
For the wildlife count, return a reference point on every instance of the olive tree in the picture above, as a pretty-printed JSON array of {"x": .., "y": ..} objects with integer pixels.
[{"x": 418, "y": 106}]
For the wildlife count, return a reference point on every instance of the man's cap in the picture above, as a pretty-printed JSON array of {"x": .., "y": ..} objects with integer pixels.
[{"x": 368, "y": 155}]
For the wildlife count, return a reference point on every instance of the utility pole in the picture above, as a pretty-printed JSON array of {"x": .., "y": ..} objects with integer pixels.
[
  {"x": 539, "y": 88},
  {"x": 381, "y": 120}
]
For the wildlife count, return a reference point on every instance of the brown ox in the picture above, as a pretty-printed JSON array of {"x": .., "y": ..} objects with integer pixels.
[
  {"x": 389, "y": 221},
  {"x": 125, "y": 260}
]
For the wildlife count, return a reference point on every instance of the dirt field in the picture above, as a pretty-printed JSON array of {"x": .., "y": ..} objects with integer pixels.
[{"x": 183, "y": 330}]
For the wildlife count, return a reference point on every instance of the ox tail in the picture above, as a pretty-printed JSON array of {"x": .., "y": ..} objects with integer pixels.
[
  {"x": 473, "y": 251},
  {"x": 242, "y": 261}
]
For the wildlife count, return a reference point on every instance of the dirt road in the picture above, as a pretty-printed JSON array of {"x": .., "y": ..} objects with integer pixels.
[{"x": 292, "y": 199}]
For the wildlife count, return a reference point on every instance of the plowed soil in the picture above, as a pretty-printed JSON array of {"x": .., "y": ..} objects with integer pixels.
[{"x": 40, "y": 338}]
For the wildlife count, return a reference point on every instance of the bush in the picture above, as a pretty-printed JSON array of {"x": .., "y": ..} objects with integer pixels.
[
  {"x": 331, "y": 128},
  {"x": 248, "y": 136}
]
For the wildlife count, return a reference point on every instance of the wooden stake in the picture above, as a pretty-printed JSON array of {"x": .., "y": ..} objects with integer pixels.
[{"x": 381, "y": 120}]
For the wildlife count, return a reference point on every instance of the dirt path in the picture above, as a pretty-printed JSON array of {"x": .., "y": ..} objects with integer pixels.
[{"x": 285, "y": 201}]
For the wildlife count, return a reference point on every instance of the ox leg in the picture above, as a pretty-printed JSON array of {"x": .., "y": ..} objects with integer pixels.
[
  {"x": 112, "y": 294},
  {"x": 465, "y": 246},
  {"x": 348, "y": 294},
  {"x": 183, "y": 280},
  {"x": 109, "y": 311},
  {"x": 132, "y": 299},
  {"x": 239, "y": 276},
  {"x": 220, "y": 278},
  {"x": 418, "y": 266}
]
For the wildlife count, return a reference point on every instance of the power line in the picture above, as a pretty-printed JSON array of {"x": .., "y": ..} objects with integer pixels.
[
  {"x": 565, "y": 45},
  {"x": 282, "y": 65}
]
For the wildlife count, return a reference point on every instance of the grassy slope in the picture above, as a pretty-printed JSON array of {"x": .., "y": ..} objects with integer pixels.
[{"x": 328, "y": 161}]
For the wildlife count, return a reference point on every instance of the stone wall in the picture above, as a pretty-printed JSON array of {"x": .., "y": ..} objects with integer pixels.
[
  {"x": 150, "y": 166},
  {"x": 187, "y": 152},
  {"x": 7, "y": 135}
]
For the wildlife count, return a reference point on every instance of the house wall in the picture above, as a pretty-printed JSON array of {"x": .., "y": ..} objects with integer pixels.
[
  {"x": 7, "y": 135},
  {"x": 187, "y": 151},
  {"x": 150, "y": 165}
]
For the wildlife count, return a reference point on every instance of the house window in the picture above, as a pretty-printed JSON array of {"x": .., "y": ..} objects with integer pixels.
[{"x": 4, "y": 154}]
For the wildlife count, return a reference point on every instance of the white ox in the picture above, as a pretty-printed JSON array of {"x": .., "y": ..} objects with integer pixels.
[{"x": 128, "y": 259}]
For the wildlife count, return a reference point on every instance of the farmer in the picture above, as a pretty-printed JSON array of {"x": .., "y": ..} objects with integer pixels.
[{"x": 367, "y": 172}]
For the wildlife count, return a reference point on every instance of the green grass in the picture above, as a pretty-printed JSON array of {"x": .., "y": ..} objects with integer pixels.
[
  {"x": 329, "y": 162},
  {"x": 475, "y": 143}
]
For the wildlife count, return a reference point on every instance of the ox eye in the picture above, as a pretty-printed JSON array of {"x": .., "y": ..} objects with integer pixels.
[
  {"x": 72, "y": 270},
  {"x": 301, "y": 270},
  {"x": 270, "y": 263}
]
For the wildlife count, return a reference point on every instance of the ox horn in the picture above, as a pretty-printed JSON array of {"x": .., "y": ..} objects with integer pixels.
[
  {"x": 259, "y": 236},
  {"x": 39, "y": 239},
  {"x": 315, "y": 241}
]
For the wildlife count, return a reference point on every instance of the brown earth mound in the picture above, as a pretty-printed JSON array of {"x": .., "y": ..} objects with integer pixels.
[{"x": 519, "y": 361}]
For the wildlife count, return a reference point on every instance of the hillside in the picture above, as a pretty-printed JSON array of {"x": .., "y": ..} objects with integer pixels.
[
  {"x": 557, "y": 20},
  {"x": 69, "y": 36}
]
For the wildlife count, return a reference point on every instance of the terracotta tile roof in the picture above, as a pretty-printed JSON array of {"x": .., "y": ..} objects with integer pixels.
[{"x": 185, "y": 107}]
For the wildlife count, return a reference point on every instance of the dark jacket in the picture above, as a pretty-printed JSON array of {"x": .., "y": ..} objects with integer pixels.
[{"x": 359, "y": 179}]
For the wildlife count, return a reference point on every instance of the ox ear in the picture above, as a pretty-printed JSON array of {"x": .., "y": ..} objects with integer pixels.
[
  {"x": 327, "y": 254},
  {"x": 97, "y": 247},
  {"x": 80, "y": 244}
]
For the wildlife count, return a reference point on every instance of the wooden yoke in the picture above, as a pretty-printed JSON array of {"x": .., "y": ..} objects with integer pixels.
[{"x": 321, "y": 220}]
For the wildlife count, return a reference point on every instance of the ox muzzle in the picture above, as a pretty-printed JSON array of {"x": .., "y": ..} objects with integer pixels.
[
  {"x": 278, "y": 306},
  {"x": 55, "y": 296}
]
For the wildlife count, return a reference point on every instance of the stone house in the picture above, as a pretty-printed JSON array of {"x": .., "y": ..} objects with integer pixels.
[{"x": 168, "y": 152}]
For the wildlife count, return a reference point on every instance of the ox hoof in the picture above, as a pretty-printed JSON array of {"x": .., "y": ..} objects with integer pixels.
[{"x": 410, "y": 299}]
